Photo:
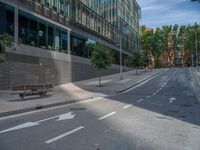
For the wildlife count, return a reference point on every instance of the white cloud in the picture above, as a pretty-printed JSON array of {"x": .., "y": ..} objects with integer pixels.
[{"x": 157, "y": 13}]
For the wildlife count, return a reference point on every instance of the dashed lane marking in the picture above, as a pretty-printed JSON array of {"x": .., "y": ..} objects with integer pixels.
[
  {"x": 64, "y": 135},
  {"x": 140, "y": 100},
  {"x": 106, "y": 116},
  {"x": 148, "y": 97},
  {"x": 127, "y": 106}
]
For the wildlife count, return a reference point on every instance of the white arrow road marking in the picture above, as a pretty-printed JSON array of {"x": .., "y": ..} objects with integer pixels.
[
  {"x": 127, "y": 106},
  {"x": 43, "y": 120},
  {"x": 22, "y": 126},
  {"x": 63, "y": 135},
  {"x": 66, "y": 116},
  {"x": 171, "y": 100},
  {"x": 106, "y": 116}
]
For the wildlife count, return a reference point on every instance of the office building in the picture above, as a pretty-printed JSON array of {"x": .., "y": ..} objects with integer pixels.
[{"x": 52, "y": 38}]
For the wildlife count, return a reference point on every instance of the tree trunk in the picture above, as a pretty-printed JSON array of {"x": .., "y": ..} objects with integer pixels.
[{"x": 99, "y": 79}]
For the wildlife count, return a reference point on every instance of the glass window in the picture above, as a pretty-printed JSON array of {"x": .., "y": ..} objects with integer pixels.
[
  {"x": 50, "y": 36},
  {"x": 23, "y": 28},
  {"x": 42, "y": 34},
  {"x": 64, "y": 41},
  {"x": 47, "y": 3},
  {"x": 57, "y": 40},
  {"x": 7, "y": 19},
  {"x": 33, "y": 36},
  {"x": 78, "y": 46},
  {"x": 54, "y": 4}
]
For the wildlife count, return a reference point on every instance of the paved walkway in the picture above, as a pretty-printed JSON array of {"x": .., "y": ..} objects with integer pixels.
[
  {"x": 73, "y": 92},
  {"x": 197, "y": 74}
]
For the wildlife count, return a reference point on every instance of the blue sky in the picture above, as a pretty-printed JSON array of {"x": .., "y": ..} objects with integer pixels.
[{"x": 156, "y": 13}]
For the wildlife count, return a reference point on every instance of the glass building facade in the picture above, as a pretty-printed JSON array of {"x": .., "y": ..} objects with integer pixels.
[
  {"x": 39, "y": 33},
  {"x": 111, "y": 19},
  {"x": 108, "y": 19}
]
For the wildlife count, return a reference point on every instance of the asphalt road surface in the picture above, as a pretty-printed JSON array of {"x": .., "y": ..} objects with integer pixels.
[{"x": 161, "y": 114}]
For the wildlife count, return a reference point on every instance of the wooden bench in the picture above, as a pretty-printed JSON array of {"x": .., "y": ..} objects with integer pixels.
[{"x": 29, "y": 90}]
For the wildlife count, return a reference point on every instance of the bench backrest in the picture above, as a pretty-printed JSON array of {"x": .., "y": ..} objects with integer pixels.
[{"x": 31, "y": 87}]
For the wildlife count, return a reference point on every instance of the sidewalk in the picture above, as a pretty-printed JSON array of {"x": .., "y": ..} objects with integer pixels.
[
  {"x": 73, "y": 92},
  {"x": 196, "y": 75}
]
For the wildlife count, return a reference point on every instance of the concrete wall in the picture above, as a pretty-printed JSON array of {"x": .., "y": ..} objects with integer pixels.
[{"x": 31, "y": 65}]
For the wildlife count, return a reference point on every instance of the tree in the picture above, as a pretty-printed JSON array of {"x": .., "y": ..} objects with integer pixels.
[
  {"x": 157, "y": 47},
  {"x": 145, "y": 59},
  {"x": 101, "y": 58},
  {"x": 136, "y": 60},
  {"x": 147, "y": 42},
  {"x": 5, "y": 41},
  {"x": 181, "y": 38}
]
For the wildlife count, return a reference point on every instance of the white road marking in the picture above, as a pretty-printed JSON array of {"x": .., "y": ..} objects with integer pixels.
[
  {"x": 127, "y": 106},
  {"x": 63, "y": 135},
  {"x": 140, "y": 100},
  {"x": 46, "y": 119},
  {"x": 52, "y": 108},
  {"x": 106, "y": 116},
  {"x": 154, "y": 94},
  {"x": 31, "y": 124},
  {"x": 171, "y": 100},
  {"x": 148, "y": 96},
  {"x": 22, "y": 126},
  {"x": 144, "y": 82},
  {"x": 66, "y": 116},
  {"x": 157, "y": 91}
]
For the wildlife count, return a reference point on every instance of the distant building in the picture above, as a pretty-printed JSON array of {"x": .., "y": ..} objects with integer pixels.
[
  {"x": 149, "y": 29},
  {"x": 179, "y": 56}
]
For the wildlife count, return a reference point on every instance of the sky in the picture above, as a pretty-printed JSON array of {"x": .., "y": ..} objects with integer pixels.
[{"x": 156, "y": 13}]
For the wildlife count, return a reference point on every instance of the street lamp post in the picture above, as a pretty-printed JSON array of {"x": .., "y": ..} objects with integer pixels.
[
  {"x": 120, "y": 49},
  {"x": 121, "y": 67},
  {"x": 197, "y": 63}
]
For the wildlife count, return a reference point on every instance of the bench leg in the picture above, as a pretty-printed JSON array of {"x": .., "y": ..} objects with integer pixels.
[
  {"x": 42, "y": 94},
  {"x": 21, "y": 96}
]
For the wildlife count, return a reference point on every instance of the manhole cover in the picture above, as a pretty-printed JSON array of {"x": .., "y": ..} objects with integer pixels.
[{"x": 77, "y": 109}]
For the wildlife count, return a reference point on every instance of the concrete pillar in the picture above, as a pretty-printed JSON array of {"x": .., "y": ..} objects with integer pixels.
[
  {"x": 16, "y": 25},
  {"x": 68, "y": 44}
]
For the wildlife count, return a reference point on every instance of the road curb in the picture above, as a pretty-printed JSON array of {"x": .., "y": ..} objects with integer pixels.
[
  {"x": 195, "y": 78},
  {"x": 122, "y": 91},
  {"x": 39, "y": 107}
]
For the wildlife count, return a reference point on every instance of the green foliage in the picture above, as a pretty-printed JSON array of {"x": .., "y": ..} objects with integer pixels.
[
  {"x": 5, "y": 41},
  {"x": 136, "y": 60},
  {"x": 155, "y": 42},
  {"x": 145, "y": 59},
  {"x": 101, "y": 56}
]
